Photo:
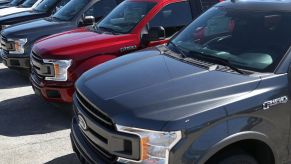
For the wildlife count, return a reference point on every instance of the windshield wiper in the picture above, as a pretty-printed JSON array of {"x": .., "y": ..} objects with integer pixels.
[
  {"x": 219, "y": 61},
  {"x": 182, "y": 54}
]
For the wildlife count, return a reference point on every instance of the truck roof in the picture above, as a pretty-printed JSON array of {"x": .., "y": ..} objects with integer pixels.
[{"x": 259, "y": 5}]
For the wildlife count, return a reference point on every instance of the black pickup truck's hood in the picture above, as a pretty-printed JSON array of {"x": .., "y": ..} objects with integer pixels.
[
  {"x": 21, "y": 17},
  {"x": 147, "y": 89},
  {"x": 4, "y": 6},
  {"x": 35, "y": 28}
]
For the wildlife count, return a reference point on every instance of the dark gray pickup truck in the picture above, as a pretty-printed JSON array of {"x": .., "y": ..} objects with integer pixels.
[{"x": 218, "y": 93}]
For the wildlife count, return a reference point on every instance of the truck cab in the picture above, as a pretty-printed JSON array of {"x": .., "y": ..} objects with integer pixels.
[
  {"x": 58, "y": 60},
  {"x": 217, "y": 93}
]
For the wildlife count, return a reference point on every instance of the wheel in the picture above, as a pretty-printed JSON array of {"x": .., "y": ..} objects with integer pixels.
[
  {"x": 233, "y": 156},
  {"x": 239, "y": 159}
]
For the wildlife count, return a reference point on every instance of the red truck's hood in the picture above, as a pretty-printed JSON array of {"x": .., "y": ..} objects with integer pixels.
[{"x": 80, "y": 43}]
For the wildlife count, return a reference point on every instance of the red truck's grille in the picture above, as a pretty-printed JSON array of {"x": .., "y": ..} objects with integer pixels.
[{"x": 39, "y": 68}]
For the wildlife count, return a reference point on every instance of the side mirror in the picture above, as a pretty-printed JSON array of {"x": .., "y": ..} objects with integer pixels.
[
  {"x": 155, "y": 34},
  {"x": 88, "y": 20}
]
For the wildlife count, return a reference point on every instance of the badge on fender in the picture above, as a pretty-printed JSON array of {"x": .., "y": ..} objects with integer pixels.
[{"x": 280, "y": 100}]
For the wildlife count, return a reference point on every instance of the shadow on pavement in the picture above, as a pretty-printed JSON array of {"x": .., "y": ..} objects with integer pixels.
[
  {"x": 67, "y": 159},
  {"x": 29, "y": 115},
  {"x": 12, "y": 79}
]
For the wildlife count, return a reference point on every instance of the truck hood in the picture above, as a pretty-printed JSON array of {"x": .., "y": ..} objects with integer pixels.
[
  {"x": 13, "y": 10},
  {"x": 152, "y": 89},
  {"x": 78, "y": 44},
  {"x": 33, "y": 28},
  {"x": 21, "y": 17}
]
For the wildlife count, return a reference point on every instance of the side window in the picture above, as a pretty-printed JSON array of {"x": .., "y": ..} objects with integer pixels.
[
  {"x": 206, "y": 4},
  {"x": 173, "y": 17},
  {"x": 101, "y": 8},
  {"x": 60, "y": 5}
]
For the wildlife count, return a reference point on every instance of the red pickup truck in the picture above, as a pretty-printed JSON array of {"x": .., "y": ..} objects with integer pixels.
[{"x": 58, "y": 60}]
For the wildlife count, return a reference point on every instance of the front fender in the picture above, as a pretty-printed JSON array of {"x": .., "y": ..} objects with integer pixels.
[
  {"x": 246, "y": 135},
  {"x": 203, "y": 143}
]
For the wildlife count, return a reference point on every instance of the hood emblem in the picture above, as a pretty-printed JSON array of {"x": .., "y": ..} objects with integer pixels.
[
  {"x": 277, "y": 101},
  {"x": 82, "y": 123}
]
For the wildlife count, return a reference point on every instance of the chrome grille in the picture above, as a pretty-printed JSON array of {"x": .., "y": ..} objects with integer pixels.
[
  {"x": 102, "y": 134},
  {"x": 39, "y": 68},
  {"x": 94, "y": 112},
  {"x": 6, "y": 45}
]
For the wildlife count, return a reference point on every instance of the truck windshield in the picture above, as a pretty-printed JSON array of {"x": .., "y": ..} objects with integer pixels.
[
  {"x": 15, "y": 2},
  {"x": 46, "y": 5},
  {"x": 70, "y": 10},
  {"x": 249, "y": 40},
  {"x": 28, "y": 3},
  {"x": 126, "y": 16}
]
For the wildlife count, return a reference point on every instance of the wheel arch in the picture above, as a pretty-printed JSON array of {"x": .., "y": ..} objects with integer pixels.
[{"x": 237, "y": 138}]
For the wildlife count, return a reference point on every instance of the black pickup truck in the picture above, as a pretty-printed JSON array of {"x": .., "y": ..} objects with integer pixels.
[
  {"x": 74, "y": 14},
  {"x": 42, "y": 10},
  {"x": 218, "y": 93},
  {"x": 5, "y": 4}
]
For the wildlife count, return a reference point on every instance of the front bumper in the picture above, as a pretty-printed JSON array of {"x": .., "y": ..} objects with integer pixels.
[
  {"x": 15, "y": 62},
  {"x": 56, "y": 92}
]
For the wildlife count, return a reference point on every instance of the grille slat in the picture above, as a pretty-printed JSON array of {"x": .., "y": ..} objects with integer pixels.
[
  {"x": 93, "y": 111},
  {"x": 6, "y": 45},
  {"x": 102, "y": 134},
  {"x": 39, "y": 68},
  {"x": 102, "y": 120}
]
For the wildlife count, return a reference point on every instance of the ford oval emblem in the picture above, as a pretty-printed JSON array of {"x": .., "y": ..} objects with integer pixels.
[{"x": 82, "y": 123}]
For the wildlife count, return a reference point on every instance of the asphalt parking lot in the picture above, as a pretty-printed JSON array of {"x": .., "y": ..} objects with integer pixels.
[{"x": 31, "y": 130}]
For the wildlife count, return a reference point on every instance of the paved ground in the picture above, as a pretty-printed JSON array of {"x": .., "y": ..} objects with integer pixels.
[{"x": 31, "y": 131}]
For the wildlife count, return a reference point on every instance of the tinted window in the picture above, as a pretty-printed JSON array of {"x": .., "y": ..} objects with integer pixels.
[
  {"x": 101, "y": 8},
  {"x": 173, "y": 17},
  {"x": 60, "y": 5},
  {"x": 28, "y": 3},
  {"x": 15, "y": 2},
  {"x": 70, "y": 10},
  {"x": 252, "y": 40},
  {"x": 126, "y": 16},
  {"x": 46, "y": 5},
  {"x": 206, "y": 4}
]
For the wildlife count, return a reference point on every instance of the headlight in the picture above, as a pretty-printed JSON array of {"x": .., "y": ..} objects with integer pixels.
[
  {"x": 155, "y": 145},
  {"x": 60, "y": 69},
  {"x": 18, "y": 45}
]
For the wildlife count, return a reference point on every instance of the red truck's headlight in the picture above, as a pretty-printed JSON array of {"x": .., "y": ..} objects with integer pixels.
[{"x": 60, "y": 69}]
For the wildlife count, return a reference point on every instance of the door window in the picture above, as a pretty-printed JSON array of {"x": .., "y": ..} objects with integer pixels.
[
  {"x": 101, "y": 8},
  {"x": 173, "y": 17}
]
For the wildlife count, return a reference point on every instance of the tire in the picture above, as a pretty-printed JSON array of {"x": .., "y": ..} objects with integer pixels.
[{"x": 238, "y": 159}]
